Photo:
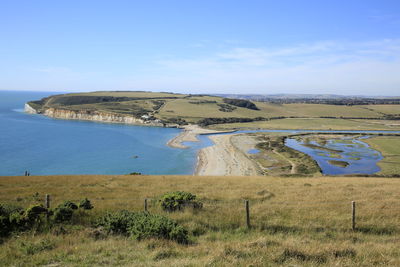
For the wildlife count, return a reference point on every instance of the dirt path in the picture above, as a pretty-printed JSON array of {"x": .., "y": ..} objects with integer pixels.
[{"x": 293, "y": 169}]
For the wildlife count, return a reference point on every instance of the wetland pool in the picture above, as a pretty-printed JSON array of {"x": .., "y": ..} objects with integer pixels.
[{"x": 340, "y": 156}]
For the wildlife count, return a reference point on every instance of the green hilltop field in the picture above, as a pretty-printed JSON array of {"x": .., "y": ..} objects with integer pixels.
[{"x": 216, "y": 112}]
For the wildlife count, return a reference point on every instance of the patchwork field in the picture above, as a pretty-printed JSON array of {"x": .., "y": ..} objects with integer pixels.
[
  {"x": 182, "y": 109},
  {"x": 312, "y": 124},
  {"x": 294, "y": 222}
]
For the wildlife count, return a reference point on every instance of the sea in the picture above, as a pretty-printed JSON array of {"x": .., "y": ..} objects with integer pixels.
[{"x": 47, "y": 146}]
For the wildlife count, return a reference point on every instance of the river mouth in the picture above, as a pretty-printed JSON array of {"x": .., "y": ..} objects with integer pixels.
[{"x": 338, "y": 155}]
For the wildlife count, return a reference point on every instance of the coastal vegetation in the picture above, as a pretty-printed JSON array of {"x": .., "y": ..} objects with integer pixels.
[
  {"x": 294, "y": 221},
  {"x": 275, "y": 158},
  {"x": 241, "y": 103},
  {"x": 389, "y": 147},
  {"x": 339, "y": 163}
]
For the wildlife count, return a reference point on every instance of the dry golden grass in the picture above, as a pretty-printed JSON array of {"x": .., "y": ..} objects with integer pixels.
[
  {"x": 310, "y": 124},
  {"x": 387, "y": 109},
  {"x": 295, "y": 221},
  {"x": 185, "y": 107}
]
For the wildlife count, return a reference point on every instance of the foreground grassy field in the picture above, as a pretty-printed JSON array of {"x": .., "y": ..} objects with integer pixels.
[{"x": 295, "y": 222}]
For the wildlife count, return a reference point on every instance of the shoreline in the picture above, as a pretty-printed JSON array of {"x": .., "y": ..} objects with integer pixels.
[
  {"x": 189, "y": 134},
  {"x": 224, "y": 158},
  {"x": 100, "y": 117}
]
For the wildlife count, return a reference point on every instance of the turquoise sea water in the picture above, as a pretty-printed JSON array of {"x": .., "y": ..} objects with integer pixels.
[{"x": 44, "y": 146}]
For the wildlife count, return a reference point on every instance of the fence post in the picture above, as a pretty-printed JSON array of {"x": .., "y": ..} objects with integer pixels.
[
  {"x": 247, "y": 213},
  {"x": 47, "y": 201},
  {"x": 145, "y": 204},
  {"x": 353, "y": 215}
]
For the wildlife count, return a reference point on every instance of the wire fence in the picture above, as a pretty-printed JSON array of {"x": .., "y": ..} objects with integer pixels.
[{"x": 254, "y": 208}]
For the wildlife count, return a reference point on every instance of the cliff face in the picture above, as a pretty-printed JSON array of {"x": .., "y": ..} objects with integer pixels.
[
  {"x": 29, "y": 109},
  {"x": 91, "y": 116}
]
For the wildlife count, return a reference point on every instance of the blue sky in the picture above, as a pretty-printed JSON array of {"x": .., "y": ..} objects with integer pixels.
[{"x": 265, "y": 47}]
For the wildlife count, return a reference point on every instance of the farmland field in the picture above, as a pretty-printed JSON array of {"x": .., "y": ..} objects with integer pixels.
[
  {"x": 171, "y": 107},
  {"x": 311, "y": 123}
]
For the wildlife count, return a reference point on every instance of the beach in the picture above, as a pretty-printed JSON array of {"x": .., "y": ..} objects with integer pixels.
[
  {"x": 227, "y": 157},
  {"x": 189, "y": 134}
]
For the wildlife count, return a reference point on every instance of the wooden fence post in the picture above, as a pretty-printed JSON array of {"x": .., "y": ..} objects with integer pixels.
[
  {"x": 47, "y": 201},
  {"x": 145, "y": 204},
  {"x": 353, "y": 215},
  {"x": 247, "y": 213}
]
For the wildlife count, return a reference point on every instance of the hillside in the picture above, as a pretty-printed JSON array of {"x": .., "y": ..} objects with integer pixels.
[
  {"x": 294, "y": 221},
  {"x": 169, "y": 108}
]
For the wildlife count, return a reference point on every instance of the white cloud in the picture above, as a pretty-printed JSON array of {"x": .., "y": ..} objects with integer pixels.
[{"x": 322, "y": 67}]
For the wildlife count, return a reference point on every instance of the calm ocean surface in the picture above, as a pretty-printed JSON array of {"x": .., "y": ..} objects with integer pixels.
[{"x": 45, "y": 146}]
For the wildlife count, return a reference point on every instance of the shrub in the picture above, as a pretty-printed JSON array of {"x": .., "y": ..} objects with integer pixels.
[
  {"x": 68, "y": 204},
  {"x": 33, "y": 213},
  {"x": 6, "y": 209},
  {"x": 85, "y": 204},
  {"x": 141, "y": 225},
  {"x": 241, "y": 103},
  {"x": 116, "y": 222},
  {"x": 5, "y": 227},
  {"x": 62, "y": 214},
  {"x": 146, "y": 225},
  {"x": 178, "y": 200}
]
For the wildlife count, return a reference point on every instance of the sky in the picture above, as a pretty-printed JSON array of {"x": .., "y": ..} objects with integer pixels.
[{"x": 348, "y": 47}]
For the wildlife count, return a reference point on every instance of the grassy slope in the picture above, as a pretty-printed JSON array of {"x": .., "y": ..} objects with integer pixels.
[
  {"x": 389, "y": 147},
  {"x": 311, "y": 123},
  {"x": 182, "y": 107},
  {"x": 388, "y": 109},
  {"x": 295, "y": 221}
]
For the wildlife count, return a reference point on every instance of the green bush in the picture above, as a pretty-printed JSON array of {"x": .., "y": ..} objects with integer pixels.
[
  {"x": 62, "y": 214},
  {"x": 68, "y": 204},
  {"x": 6, "y": 209},
  {"x": 116, "y": 222},
  {"x": 147, "y": 225},
  {"x": 85, "y": 204},
  {"x": 33, "y": 214},
  {"x": 141, "y": 225},
  {"x": 5, "y": 227},
  {"x": 241, "y": 103},
  {"x": 178, "y": 200},
  {"x": 16, "y": 219}
]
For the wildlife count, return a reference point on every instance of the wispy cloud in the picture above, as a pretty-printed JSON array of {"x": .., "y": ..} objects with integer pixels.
[{"x": 330, "y": 65}]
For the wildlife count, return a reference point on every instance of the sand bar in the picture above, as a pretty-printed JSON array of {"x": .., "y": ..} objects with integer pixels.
[
  {"x": 225, "y": 158},
  {"x": 189, "y": 134}
]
